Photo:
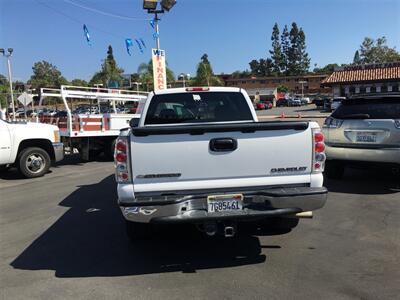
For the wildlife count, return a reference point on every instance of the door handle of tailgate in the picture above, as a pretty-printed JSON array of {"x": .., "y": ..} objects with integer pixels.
[{"x": 223, "y": 144}]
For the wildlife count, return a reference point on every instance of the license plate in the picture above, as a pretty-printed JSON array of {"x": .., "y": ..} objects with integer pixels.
[
  {"x": 366, "y": 137},
  {"x": 220, "y": 203}
]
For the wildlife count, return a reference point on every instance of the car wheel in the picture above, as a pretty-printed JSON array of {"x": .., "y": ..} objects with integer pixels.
[
  {"x": 138, "y": 231},
  {"x": 33, "y": 162},
  {"x": 334, "y": 169}
]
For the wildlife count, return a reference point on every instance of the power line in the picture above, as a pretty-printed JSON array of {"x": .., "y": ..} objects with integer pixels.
[
  {"x": 76, "y": 20},
  {"x": 106, "y": 13}
]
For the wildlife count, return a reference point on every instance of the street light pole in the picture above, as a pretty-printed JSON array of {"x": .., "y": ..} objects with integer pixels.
[{"x": 8, "y": 56}]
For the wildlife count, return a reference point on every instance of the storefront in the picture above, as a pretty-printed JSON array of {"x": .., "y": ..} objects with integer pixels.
[{"x": 365, "y": 79}]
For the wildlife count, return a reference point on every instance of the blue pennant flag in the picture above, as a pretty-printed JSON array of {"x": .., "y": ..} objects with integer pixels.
[
  {"x": 143, "y": 44},
  {"x": 139, "y": 45},
  {"x": 128, "y": 44},
  {"x": 152, "y": 23},
  {"x": 156, "y": 35},
  {"x": 87, "y": 35}
]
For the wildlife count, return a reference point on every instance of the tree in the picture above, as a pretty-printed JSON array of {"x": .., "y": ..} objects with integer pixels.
[
  {"x": 377, "y": 51},
  {"x": 261, "y": 67},
  {"x": 46, "y": 75},
  {"x": 285, "y": 44},
  {"x": 4, "y": 90},
  {"x": 304, "y": 60},
  {"x": 276, "y": 52},
  {"x": 282, "y": 89},
  {"x": 205, "y": 74},
  {"x": 241, "y": 74},
  {"x": 145, "y": 74},
  {"x": 79, "y": 82},
  {"x": 109, "y": 73},
  {"x": 328, "y": 69},
  {"x": 357, "y": 59}
]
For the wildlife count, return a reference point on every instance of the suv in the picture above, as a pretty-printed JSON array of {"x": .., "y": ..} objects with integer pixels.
[{"x": 363, "y": 130}]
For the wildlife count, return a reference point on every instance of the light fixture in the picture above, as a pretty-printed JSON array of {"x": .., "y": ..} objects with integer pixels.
[
  {"x": 2, "y": 51},
  {"x": 10, "y": 50},
  {"x": 149, "y": 4},
  {"x": 167, "y": 4}
]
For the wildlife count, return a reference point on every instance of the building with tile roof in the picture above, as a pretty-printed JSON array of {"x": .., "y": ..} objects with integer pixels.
[{"x": 364, "y": 79}]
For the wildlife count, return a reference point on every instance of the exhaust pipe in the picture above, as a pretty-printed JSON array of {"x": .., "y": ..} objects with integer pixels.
[{"x": 304, "y": 215}]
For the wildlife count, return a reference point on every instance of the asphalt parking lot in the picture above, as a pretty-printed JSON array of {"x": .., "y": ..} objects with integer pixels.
[{"x": 62, "y": 236}]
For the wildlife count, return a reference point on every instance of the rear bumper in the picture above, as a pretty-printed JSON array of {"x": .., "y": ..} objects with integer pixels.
[
  {"x": 384, "y": 155},
  {"x": 256, "y": 204},
  {"x": 58, "y": 151}
]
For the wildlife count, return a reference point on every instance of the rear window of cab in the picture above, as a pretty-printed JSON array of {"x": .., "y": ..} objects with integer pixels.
[
  {"x": 198, "y": 107},
  {"x": 377, "y": 108}
]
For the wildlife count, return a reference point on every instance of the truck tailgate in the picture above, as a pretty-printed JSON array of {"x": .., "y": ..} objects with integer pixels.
[{"x": 184, "y": 160}]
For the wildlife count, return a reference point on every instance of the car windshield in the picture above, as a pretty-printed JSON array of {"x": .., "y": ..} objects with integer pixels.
[
  {"x": 197, "y": 108},
  {"x": 368, "y": 109}
]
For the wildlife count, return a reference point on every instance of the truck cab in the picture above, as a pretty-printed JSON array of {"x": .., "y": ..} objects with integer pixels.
[{"x": 31, "y": 147}]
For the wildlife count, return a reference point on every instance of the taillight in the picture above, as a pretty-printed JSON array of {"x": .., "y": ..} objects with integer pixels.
[
  {"x": 121, "y": 158},
  {"x": 319, "y": 156},
  {"x": 197, "y": 89}
]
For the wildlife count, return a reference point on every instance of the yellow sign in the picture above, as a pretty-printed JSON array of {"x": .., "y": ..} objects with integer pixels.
[{"x": 159, "y": 70}]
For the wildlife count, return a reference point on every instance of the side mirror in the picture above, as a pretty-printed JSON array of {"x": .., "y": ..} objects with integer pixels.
[{"x": 134, "y": 122}]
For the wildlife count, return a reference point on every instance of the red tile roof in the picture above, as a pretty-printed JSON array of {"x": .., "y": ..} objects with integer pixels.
[{"x": 362, "y": 73}]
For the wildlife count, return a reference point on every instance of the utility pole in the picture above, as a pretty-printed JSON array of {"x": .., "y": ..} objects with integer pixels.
[{"x": 8, "y": 56}]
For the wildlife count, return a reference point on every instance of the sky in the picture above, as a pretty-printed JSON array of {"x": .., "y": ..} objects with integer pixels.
[{"x": 231, "y": 32}]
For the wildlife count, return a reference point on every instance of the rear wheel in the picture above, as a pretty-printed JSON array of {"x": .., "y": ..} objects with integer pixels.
[
  {"x": 33, "y": 162},
  {"x": 138, "y": 231},
  {"x": 334, "y": 169}
]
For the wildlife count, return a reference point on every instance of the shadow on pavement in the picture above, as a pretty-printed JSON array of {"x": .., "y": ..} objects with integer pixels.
[
  {"x": 365, "y": 181},
  {"x": 89, "y": 240}
]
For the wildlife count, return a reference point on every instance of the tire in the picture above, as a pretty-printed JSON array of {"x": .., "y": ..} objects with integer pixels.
[
  {"x": 334, "y": 169},
  {"x": 33, "y": 162},
  {"x": 109, "y": 150},
  {"x": 138, "y": 231}
]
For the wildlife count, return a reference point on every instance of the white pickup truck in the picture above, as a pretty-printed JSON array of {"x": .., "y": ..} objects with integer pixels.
[
  {"x": 200, "y": 156},
  {"x": 31, "y": 147}
]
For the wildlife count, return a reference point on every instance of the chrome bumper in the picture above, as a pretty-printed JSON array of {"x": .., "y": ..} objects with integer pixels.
[
  {"x": 58, "y": 151},
  {"x": 193, "y": 208}
]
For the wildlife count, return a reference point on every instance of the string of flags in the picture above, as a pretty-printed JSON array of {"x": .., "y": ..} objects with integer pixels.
[
  {"x": 86, "y": 34},
  {"x": 128, "y": 42}
]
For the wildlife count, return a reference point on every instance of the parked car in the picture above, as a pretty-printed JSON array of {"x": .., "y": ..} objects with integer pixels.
[
  {"x": 294, "y": 102},
  {"x": 212, "y": 186},
  {"x": 363, "y": 130},
  {"x": 305, "y": 101},
  {"x": 319, "y": 102},
  {"x": 327, "y": 104},
  {"x": 336, "y": 102},
  {"x": 260, "y": 106},
  {"x": 282, "y": 102},
  {"x": 268, "y": 105}
]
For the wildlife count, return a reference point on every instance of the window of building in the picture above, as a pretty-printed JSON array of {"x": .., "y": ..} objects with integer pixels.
[
  {"x": 395, "y": 88},
  {"x": 352, "y": 90},
  {"x": 262, "y": 81},
  {"x": 244, "y": 82},
  {"x": 253, "y": 81},
  {"x": 373, "y": 89}
]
